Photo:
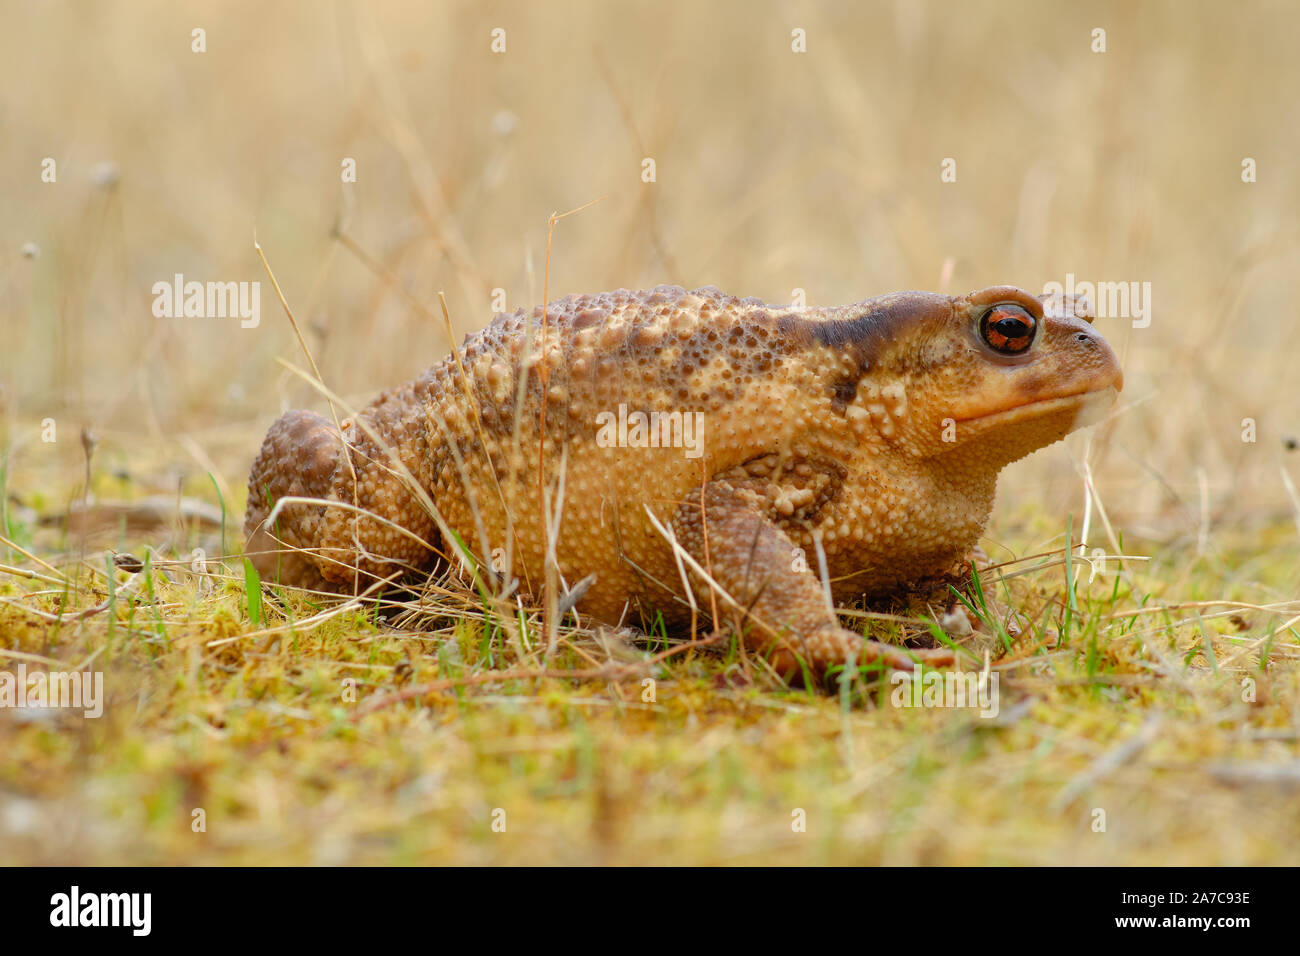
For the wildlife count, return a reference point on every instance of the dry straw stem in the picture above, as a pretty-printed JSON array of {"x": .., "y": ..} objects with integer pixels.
[
  {"x": 338, "y": 426},
  {"x": 544, "y": 373}
]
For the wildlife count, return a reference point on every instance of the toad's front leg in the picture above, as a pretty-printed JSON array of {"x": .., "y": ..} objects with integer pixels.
[{"x": 785, "y": 615}]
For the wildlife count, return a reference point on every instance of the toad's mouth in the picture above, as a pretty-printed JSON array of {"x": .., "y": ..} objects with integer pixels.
[{"x": 1088, "y": 407}]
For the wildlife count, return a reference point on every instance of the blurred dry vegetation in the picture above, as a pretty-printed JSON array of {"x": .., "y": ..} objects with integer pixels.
[{"x": 775, "y": 171}]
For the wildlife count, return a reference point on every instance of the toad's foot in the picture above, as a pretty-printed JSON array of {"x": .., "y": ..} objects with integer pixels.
[{"x": 817, "y": 654}]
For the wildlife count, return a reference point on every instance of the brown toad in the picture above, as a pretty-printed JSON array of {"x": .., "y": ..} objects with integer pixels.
[{"x": 764, "y": 439}]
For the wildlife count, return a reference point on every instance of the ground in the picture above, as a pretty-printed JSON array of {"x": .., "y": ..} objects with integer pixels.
[{"x": 1144, "y": 730}]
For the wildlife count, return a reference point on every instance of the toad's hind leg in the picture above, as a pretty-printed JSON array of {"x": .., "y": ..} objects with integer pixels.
[
  {"x": 366, "y": 523},
  {"x": 786, "y": 616},
  {"x": 298, "y": 459}
]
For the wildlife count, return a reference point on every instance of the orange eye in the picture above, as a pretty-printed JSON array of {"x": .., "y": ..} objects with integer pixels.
[{"x": 1008, "y": 328}]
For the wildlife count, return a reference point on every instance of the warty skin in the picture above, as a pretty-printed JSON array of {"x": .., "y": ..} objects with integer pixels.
[{"x": 874, "y": 430}]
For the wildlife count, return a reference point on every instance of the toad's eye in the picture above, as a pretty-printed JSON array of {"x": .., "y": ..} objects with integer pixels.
[{"x": 1008, "y": 328}]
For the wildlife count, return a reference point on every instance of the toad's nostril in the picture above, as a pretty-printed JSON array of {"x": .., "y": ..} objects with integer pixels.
[{"x": 1083, "y": 338}]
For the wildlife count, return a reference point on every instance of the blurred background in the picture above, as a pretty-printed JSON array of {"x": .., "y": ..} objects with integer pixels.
[{"x": 774, "y": 170}]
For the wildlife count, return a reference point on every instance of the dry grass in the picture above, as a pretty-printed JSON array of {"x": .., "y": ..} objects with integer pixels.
[{"x": 775, "y": 171}]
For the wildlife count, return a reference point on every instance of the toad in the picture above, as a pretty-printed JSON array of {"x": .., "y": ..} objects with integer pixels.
[{"x": 694, "y": 452}]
